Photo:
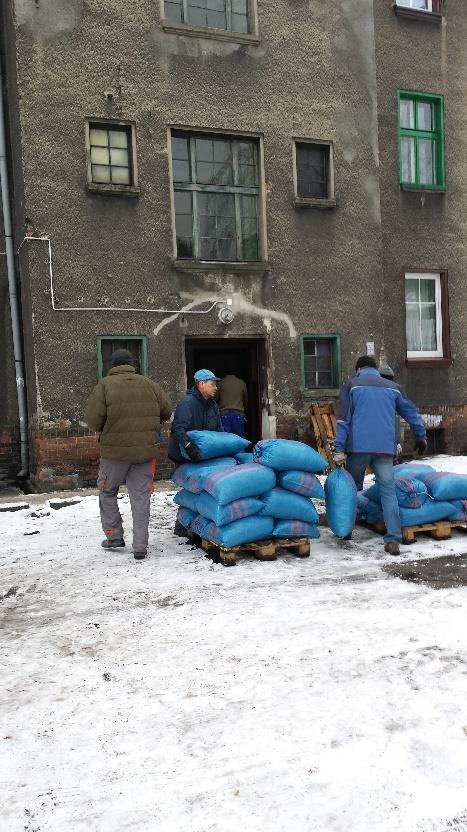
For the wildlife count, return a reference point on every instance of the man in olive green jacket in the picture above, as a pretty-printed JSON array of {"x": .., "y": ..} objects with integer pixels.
[{"x": 127, "y": 411}]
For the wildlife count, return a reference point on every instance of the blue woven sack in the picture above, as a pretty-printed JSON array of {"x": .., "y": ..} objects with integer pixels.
[
  {"x": 429, "y": 512},
  {"x": 243, "y": 458},
  {"x": 295, "y": 528},
  {"x": 231, "y": 484},
  {"x": 288, "y": 455},
  {"x": 186, "y": 499},
  {"x": 185, "y": 517},
  {"x": 301, "y": 482},
  {"x": 208, "y": 507},
  {"x": 247, "y": 530},
  {"x": 212, "y": 443},
  {"x": 444, "y": 486},
  {"x": 410, "y": 492},
  {"x": 459, "y": 511},
  {"x": 341, "y": 502},
  {"x": 183, "y": 473},
  {"x": 413, "y": 469},
  {"x": 284, "y": 505}
]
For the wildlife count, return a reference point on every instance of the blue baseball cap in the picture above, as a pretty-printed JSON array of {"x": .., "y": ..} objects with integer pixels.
[{"x": 205, "y": 375}]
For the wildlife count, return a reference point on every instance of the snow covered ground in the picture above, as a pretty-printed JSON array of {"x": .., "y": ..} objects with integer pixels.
[{"x": 175, "y": 695}]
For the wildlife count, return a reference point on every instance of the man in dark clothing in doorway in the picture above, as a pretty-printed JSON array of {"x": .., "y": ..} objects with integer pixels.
[
  {"x": 197, "y": 410},
  {"x": 233, "y": 402},
  {"x": 127, "y": 410}
]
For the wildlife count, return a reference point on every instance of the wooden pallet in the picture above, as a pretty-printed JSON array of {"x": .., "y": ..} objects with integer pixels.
[
  {"x": 324, "y": 419},
  {"x": 441, "y": 530},
  {"x": 261, "y": 550}
]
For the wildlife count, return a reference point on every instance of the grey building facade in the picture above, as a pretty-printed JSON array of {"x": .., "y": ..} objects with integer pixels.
[{"x": 218, "y": 183}]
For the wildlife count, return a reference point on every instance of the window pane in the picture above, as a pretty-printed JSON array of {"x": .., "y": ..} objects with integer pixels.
[
  {"x": 173, "y": 11},
  {"x": 118, "y": 138},
  {"x": 216, "y": 5},
  {"x": 424, "y": 115},
  {"x": 100, "y": 173},
  {"x": 120, "y": 176},
  {"x": 407, "y": 113},
  {"x": 239, "y": 23},
  {"x": 408, "y": 159},
  {"x": 240, "y": 6},
  {"x": 109, "y": 345},
  {"x": 98, "y": 137},
  {"x": 217, "y": 230},
  {"x": 312, "y": 170},
  {"x": 181, "y": 171},
  {"x": 421, "y": 4},
  {"x": 216, "y": 20},
  {"x": 427, "y": 291},
  {"x": 227, "y": 249},
  {"x": 248, "y": 206},
  {"x": 179, "y": 148},
  {"x": 204, "y": 150},
  {"x": 324, "y": 379},
  {"x": 412, "y": 290},
  {"x": 182, "y": 202},
  {"x": 426, "y": 154},
  {"x": 412, "y": 326},
  {"x": 309, "y": 346},
  {"x": 197, "y": 17},
  {"x": 100, "y": 155},
  {"x": 119, "y": 157},
  {"x": 428, "y": 326},
  {"x": 249, "y": 239},
  {"x": 184, "y": 224},
  {"x": 324, "y": 348}
]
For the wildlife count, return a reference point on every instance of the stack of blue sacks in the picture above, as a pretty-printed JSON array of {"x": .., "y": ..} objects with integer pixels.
[
  {"x": 424, "y": 495},
  {"x": 233, "y": 498}
]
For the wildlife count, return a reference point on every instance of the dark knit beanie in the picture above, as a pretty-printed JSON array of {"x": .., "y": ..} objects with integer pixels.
[{"x": 120, "y": 357}]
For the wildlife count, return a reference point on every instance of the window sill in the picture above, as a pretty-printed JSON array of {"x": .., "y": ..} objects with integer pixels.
[
  {"x": 211, "y": 34},
  {"x": 312, "y": 202},
  {"x": 321, "y": 392},
  {"x": 417, "y": 14},
  {"x": 224, "y": 267},
  {"x": 428, "y": 363},
  {"x": 428, "y": 189},
  {"x": 109, "y": 190}
]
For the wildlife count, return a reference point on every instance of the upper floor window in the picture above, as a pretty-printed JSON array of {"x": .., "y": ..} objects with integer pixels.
[
  {"x": 229, "y": 15},
  {"x": 216, "y": 197},
  {"x": 422, "y": 5},
  {"x": 421, "y": 140},
  {"x": 314, "y": 173},
  {"x": 111, "y": 154}
]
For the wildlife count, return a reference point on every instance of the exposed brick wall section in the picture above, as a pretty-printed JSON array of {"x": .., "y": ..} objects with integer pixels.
[
  {"x": 66, "y": 457},
  {"x": 10, "y": 457}
]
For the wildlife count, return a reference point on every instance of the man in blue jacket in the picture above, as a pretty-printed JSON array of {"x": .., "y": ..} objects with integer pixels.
[
  {"x": 197, "y": 410},
  {"x": 366, "y": 436}
]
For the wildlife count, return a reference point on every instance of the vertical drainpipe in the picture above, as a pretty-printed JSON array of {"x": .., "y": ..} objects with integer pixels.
[{"x": 12, "y": 290}]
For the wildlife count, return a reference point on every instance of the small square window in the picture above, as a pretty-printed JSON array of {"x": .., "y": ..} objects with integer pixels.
[
  {"x": 313, "y": 174},
  {"x": 320, "y": 359},
  {"x": 110, "y": 148},
  {"x": 421, "y": 141},
  {"x": 107, "y": 344}
]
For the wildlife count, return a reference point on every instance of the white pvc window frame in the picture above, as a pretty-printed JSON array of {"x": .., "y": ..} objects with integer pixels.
[
  {"x": 436, "y": 277},
  {"x": 411, "y": 4}
]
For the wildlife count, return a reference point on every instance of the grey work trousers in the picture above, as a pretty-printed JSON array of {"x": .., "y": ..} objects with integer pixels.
[{"x": 139, "y": 480}]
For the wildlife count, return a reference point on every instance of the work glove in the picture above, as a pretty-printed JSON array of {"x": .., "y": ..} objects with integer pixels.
[
  {"x": 193, "y": 452},
  {"x": 399, "y": 450},
  {"x": 340, "y": 458},
  {"x": 421, "y": 446}
]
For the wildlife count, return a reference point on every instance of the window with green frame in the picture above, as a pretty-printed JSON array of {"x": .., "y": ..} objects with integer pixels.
[
  {"x": 136, "y": 344},
  {"x": 230, "y": 15},
  {"x": 421, "y": 140},
  {"x": 320, "y": 362},
  {"x": 216, "y": 197}
]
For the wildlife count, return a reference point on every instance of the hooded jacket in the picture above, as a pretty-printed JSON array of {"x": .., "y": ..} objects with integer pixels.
[
  {"x": 128, "y": 409},
  {"x": 368, "y": 405}
]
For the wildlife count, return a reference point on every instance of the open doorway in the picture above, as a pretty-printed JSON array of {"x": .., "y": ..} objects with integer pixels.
[{"x": 248, "y": 357}]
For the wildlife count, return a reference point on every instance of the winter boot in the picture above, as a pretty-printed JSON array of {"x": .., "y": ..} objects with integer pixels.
[
  {"x": 392, "y": 547},
  {"x": 139, "y": 555},
  {"x": 180, "y": 530},
  {"x": 113, "y": 544}
]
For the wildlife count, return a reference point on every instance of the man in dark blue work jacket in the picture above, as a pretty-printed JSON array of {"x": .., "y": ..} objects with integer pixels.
[
  {"x": 366, "y": 436},
  {"x": 197, "y": 410}
]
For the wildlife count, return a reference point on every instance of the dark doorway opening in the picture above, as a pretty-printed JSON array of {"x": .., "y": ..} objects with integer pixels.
[{"x": 247, "y": 356}]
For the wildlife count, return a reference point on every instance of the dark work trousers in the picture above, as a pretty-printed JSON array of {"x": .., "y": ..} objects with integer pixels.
[
  {"x": 234, "y": 422},
  {"x": 139, "y": 480}
]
